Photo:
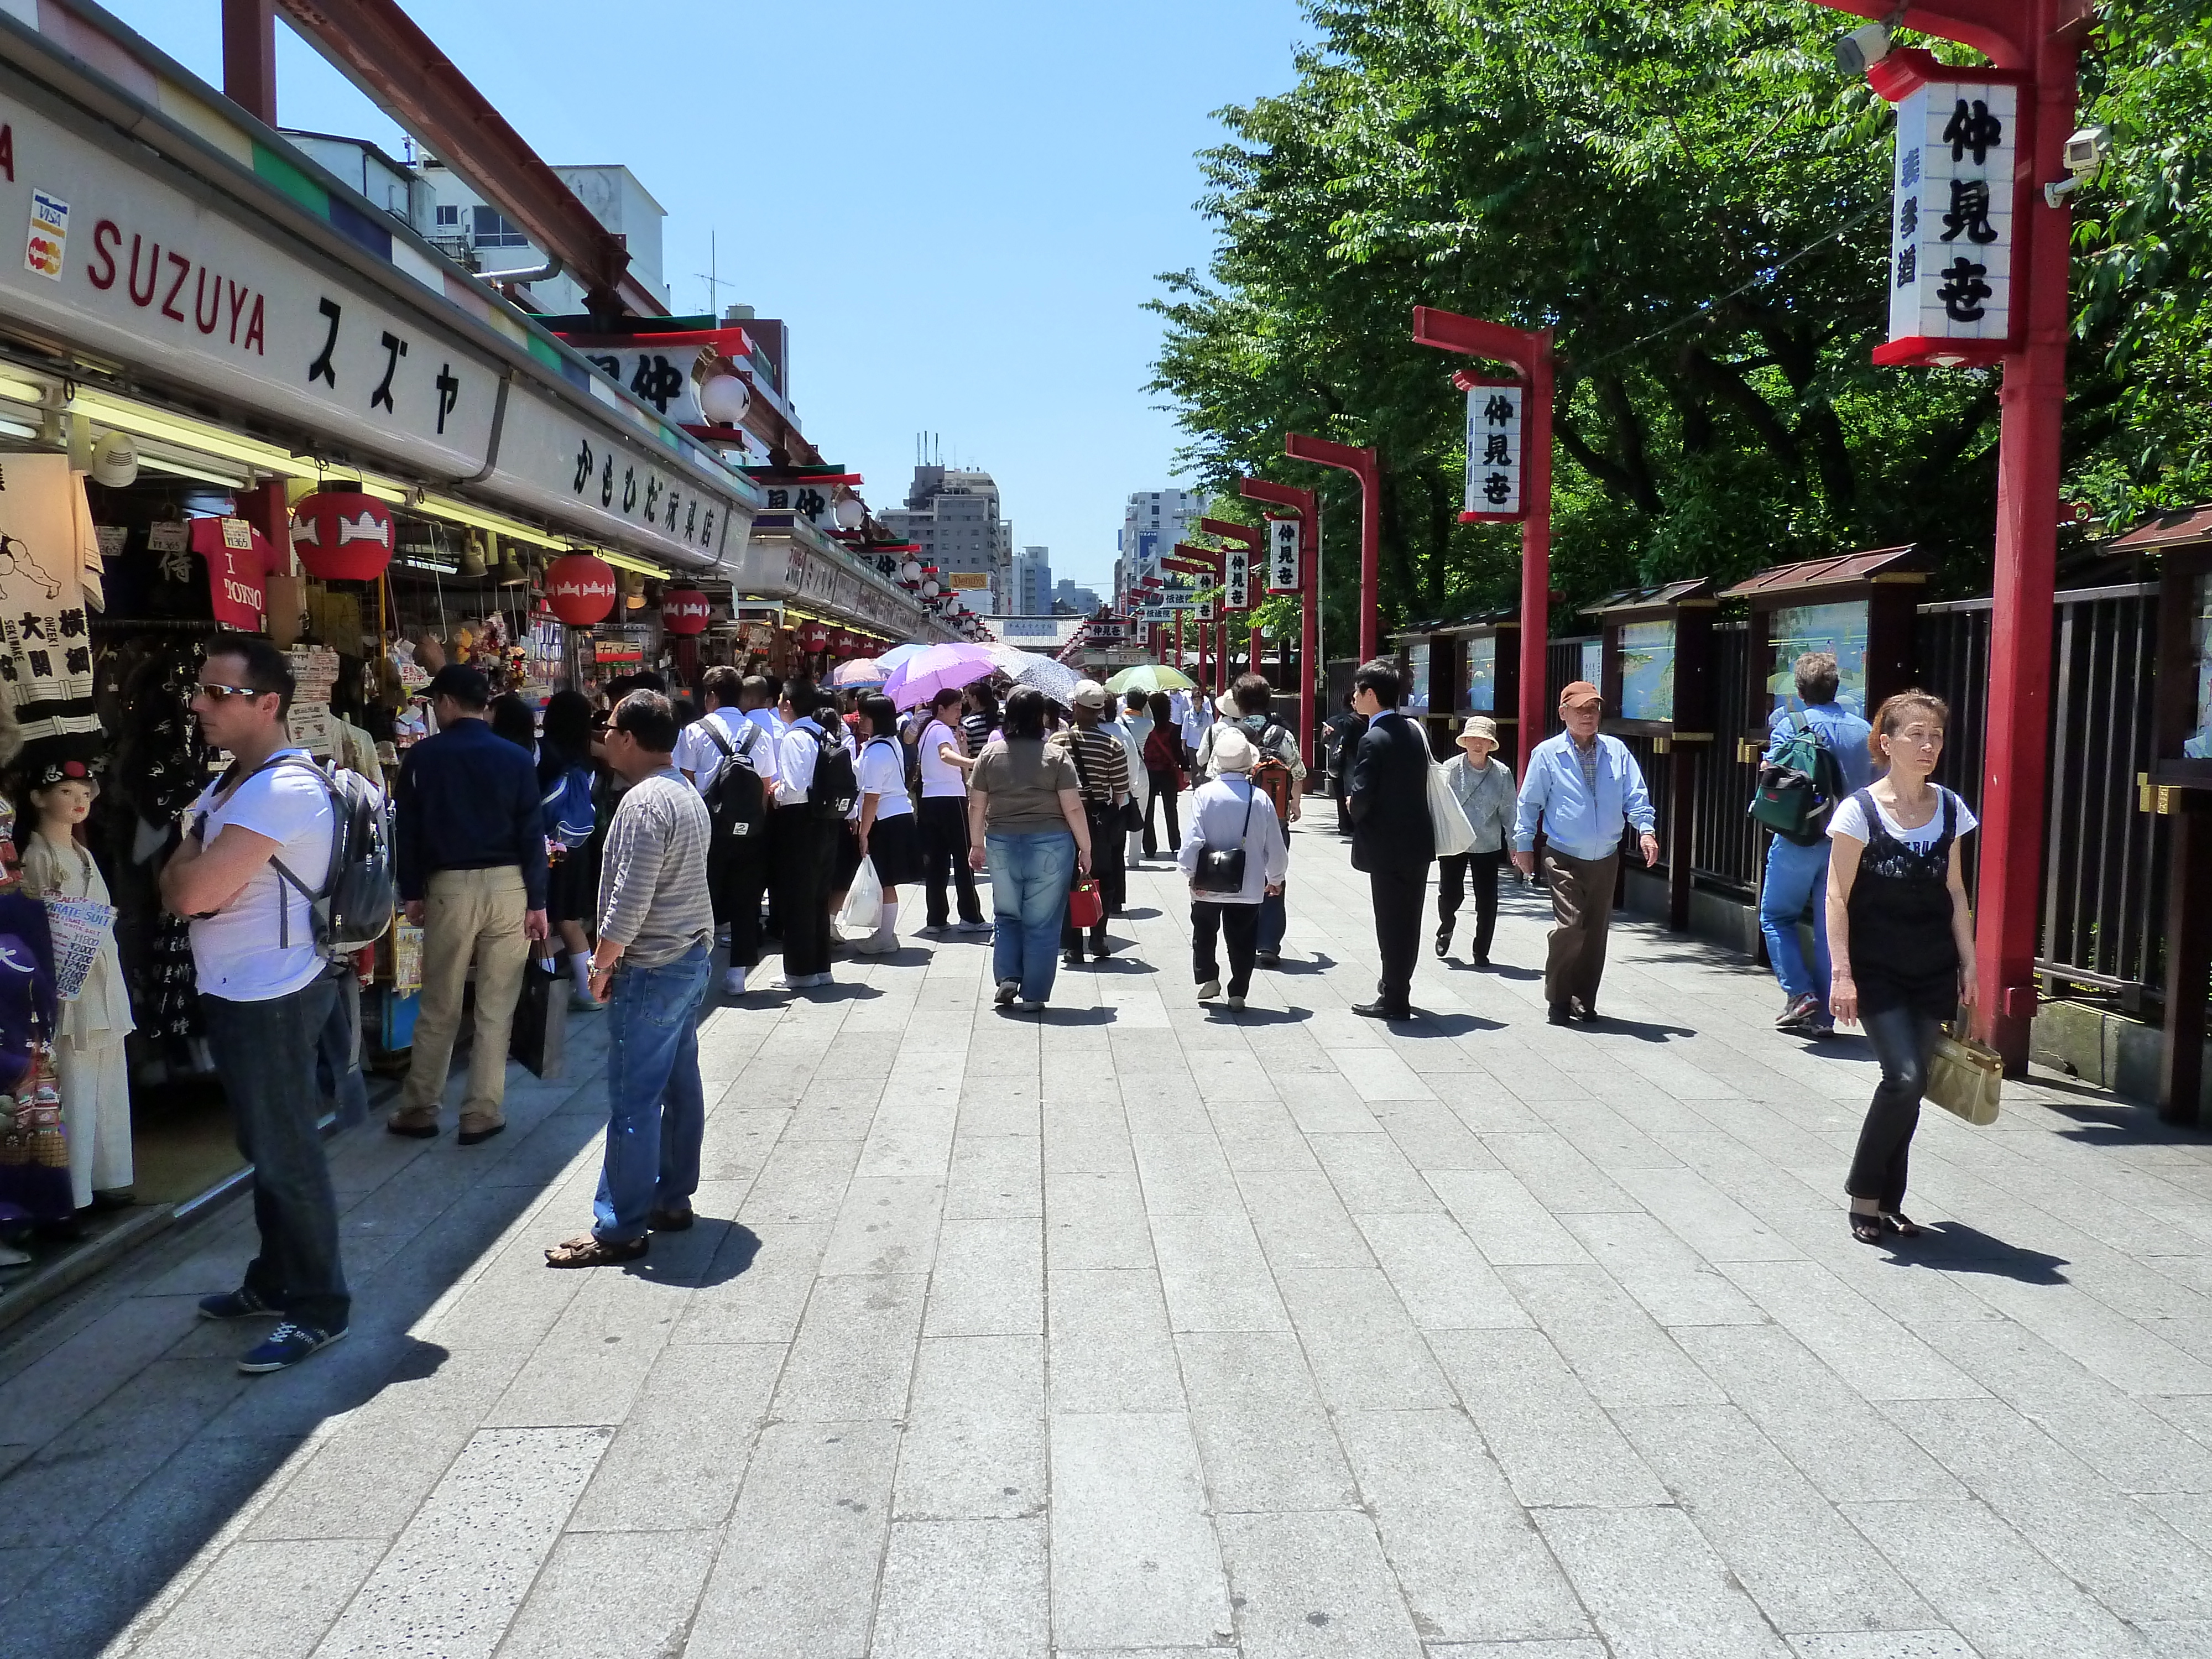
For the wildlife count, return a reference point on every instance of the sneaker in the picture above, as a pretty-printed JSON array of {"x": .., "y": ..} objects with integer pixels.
[
  {"x": 12, "y": 1257},
  {"x": 287, "y": 1344},
  {"x": 1236, "y": 1004},
  {"x": 733, "y": 983},
  {"x": 1210, "y": 990},
  {"x": 976, "y": 926},
  {"x": 1800, "y": 1011},
  {"x": 240, "y": 1303},
  {"x": 1008, "y": 990}
]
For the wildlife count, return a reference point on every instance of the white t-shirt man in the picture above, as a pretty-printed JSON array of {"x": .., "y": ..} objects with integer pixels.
[
  {"x": 697, "y": 753},
  {"x": 882, "y": 771},
  {"x": 939, "y": 776},
  {"x": 261, "y": 945}
]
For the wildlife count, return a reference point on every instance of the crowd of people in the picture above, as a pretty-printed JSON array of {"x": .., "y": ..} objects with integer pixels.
[{"x": 635, "y": 840}]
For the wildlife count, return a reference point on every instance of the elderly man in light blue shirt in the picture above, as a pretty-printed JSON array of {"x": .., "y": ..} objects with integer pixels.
[
  {"x": 1798, "y": 875},
  {"x": 1585, "y": 787}
]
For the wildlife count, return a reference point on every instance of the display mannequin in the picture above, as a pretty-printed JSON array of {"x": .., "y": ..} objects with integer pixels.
[
  {"x": 35, "y": 1180},
  {"x": 89, "y": 1061}
]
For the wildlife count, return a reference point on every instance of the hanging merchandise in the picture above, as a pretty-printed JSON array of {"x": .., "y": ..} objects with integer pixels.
[
  {"x": 239, "y": 560},
  {"x": 581, "y": 589},
  {"x": 49, "y": 574},
  {"x": 342, "y": 535},
  {"x": 685, "y": 610}
]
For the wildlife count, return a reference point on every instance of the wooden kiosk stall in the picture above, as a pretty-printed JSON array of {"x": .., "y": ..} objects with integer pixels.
[
  {"x": 1658, "y": 659},
  {"x": 1860, "y": 607},
  {"x": 1488, "y": 681},
  {"x": 1426, "y": 658}
]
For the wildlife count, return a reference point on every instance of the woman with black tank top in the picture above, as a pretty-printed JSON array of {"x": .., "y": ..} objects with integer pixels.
[{"x": 1902, "y": 940}]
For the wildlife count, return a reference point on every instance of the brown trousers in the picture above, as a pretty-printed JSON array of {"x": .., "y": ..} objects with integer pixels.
[
  {"x": 469, "y": 915},
  {"x": 1582, "y": 911}
]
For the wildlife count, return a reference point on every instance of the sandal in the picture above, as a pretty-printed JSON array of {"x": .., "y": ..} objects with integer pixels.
[
  {"x": 586, "y": 1251},
  {"x": 1900, "y": 1223},
  {"x": 1867, "y": 1228}
]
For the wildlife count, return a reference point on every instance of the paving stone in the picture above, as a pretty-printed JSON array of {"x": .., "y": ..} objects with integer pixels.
[
  {"x": 755, "y": 1288},
  {"x": 854, "y": 1354},
  {"x": 1668, "y": 1280},
  {"x": 989, "y": 1279},
  {"x": 1214, "y": 1275},
  {"x": 1363, "y": 1346},
  {"x": 1264, "y": 1436},
  {"x": 1314, "y": 1584},
  {"x": 974, "y": 1446},
  {"x": 1654, "y": 1586},
  {"x": 963, "y": 1590},
  {"x": 1134, "y": 1561},
  {"x": 1438, "y": 1274},
  {"x": 676, "y": 1462},
  {"x": 264, "y": 1600},
  {"x": 1301, "y": 1221},
  {"x": 1622, "y": 1358},
  {"x": 1095, "y": 1219},
  {"x": 1873, "y": 1352},
  {"x": 995, "y": 1176},
  {"x": 1546, "y": 1433},
  {"x": 1503, "y": 1218},
  {"x": 1110, "y": 1351}
]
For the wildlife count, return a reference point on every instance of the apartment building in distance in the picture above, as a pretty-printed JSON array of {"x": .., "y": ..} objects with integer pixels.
[
  {"x": 1154, "y": 522},
  {"x": 952, "y": 514}
]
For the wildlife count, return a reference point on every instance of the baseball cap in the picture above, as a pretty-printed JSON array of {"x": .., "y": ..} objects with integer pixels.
[
  {"x": 1089, "y": 694},
  {"x": 1576, "y": 691}
]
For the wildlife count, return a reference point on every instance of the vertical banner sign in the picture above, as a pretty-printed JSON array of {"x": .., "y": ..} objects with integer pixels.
[
  {"x": 1493, "y": 453},
  {"x": 1950, "y": 278},
  {"x": 1283, "y": 559},
  {"x": 1236, "y": 581}
]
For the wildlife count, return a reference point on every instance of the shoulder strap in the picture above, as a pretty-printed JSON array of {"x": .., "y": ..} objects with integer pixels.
[{"x": 714, "y": 734}]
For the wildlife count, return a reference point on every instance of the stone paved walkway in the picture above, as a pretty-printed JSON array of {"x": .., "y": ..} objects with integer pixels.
[{"x": 1142, "y": 1329}]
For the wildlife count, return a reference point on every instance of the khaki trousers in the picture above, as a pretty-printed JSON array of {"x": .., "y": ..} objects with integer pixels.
[
  {"x": 468, "y": 916},
  {"x": 1582, "y": 911}
]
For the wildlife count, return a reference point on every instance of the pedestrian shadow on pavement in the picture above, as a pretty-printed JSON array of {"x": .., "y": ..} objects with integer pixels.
[
  {"x": 1051, "y": 1016},
  {"x": 2100, "y": 1119},
  {"x": 1642, "y": 1030},
  {"x": 1956, "y": 1248},
  {"x": 711, "y": 1251},
  {"x": 1497, "y": 969},
  {"x": 1320, "y": 963},
  {"x": 1121, "y": 962},
  {"x": 1444, "y": 1026},
  {"x": 842, "y": 990},
  {"x": 1224, "y": 1015}
]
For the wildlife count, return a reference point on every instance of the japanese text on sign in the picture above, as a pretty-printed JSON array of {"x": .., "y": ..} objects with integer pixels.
[
  {"x": 1284, "y": 556},
  {"x": 1952, "y": 224},
  {"x": 1493, "y": 451},
  {"x": 1236, "y": 581}
]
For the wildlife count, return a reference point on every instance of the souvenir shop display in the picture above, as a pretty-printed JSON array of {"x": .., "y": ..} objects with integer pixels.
[{"x": 34, "y": 1163}]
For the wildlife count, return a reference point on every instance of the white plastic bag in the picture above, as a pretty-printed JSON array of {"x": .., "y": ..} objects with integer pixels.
[
  {"x": 864, "y": 902},
  {"x": 1447, "y": 818}
]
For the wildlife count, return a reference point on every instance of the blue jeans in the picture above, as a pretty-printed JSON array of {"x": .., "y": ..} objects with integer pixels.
[
  {"x": 264, "y": 1053},
  {"x": 1795, "y": 875},
  {"x": 1028, "y": 895},
  {"x": 1274, "y": 921},
  {"x": 656, "y": 1109},
  {"x": 337, "y": 1070}
]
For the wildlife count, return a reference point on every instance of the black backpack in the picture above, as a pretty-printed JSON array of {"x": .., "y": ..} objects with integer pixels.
[
  {"x": 737, "y": 800},
  {"x": 1799, "y": 785},
  {"x": 353, "y": 907},
  {"x": 836, "y": 786}
]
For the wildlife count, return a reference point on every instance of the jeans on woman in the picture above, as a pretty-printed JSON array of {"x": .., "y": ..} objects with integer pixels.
[
  {"x": 1164, "y": 787},
  {"x": 656, "y": 1106},
  {"x": 1902, "y": 1040},
  {"x": 1029, "y": 896}
]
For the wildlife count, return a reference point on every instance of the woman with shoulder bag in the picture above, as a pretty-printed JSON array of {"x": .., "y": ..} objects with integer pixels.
[
  {"x": 1235, "y": 858},
  {"x": 1483, "y": 785},
  {"x": 1902, "y": 940}
]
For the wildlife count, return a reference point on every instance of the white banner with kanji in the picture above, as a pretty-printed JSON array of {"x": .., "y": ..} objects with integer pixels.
[
  {"x": 1284, "y": 556},
  {"x": 1951, "y": 223},
  {"x": 1493, "y": 451}
]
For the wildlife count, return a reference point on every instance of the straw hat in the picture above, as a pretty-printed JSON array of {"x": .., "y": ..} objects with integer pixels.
[
  {"x": 1479, "y": 726},
  {"x": 1233, "y": 751}
]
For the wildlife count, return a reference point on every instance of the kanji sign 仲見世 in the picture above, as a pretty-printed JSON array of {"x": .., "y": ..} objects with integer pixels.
[
  {"x": 1952, "y": 220},
  {"x": 1493, "y": 451},
  {"x": 1284, "y": 560}
]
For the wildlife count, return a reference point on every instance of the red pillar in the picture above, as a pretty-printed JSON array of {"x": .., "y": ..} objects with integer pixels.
[
  {"x": 249, "y": 56},
  {"x": 1308, "y": 508},
  {"x": 1360, "y": 463}
]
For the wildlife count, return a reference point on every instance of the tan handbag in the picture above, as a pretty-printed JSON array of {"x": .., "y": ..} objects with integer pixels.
[{"x": 1963, "y": 1076}]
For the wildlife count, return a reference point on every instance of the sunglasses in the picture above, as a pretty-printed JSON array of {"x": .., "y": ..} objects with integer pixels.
[{"x": 224, "y": 693}]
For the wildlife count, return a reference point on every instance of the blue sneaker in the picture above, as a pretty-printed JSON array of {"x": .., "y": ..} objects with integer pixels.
[
  {"x": 240, "y": 1303},
  {"x": 287, "y": 1344}
]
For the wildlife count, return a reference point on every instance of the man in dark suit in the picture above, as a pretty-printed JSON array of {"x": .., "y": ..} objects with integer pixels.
[{"x": 1392, "y": 839}]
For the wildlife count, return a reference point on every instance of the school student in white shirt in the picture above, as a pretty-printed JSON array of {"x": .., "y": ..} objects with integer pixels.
[{"x": 940, "y": 748}]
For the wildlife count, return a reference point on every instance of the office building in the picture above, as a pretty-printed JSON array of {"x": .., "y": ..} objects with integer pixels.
[
  {"x": 1154, "y": 521},
  {"x": 952, "y": 514},
  {"x": 1031, "y": 588},
  {"x": 1079, "y": 601}
]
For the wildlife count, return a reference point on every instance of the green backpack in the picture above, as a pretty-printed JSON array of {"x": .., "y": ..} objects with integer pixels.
[{"x": 1800, "y": 781}]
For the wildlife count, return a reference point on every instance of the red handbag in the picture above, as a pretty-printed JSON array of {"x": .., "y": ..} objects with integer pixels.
[{"x": 1085, "y": 908}]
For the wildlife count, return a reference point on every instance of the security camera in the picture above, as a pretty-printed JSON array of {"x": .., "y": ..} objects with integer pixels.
[
  {"x": 1863, "y": 47},
  {"x": 2087, "y": 149}
]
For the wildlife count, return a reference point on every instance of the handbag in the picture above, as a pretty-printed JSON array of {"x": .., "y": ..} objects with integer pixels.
[
  {"x": 1085, "y": 906},
  {"x": 1963, "y": 1076},
  {"x": 1221, "y": 869},
  {"x": 539, "y": 1034},
  {"x": 1448, "y": 820}
]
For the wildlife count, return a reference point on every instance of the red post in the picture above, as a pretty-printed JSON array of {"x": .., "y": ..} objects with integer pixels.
[
  {"x": 1308, "y": 508},
  {"x": 249, "y": 56},
  {"x": 2042, "y": 37},
  {"x": 1360, "y": 463},
  {"x": 1528, "y": 350}
]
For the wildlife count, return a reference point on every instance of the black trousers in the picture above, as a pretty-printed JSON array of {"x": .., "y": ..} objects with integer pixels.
[
  {"x": 1902, "y": 1040},
  {"x": 1107, "y": 869},
  {"x": 805, "y": 863},
  {"x": 1166, "y": 786},
  {"x": 942, "y": 820},
  {"x": 1398, "y": 895},
  {"x": 1480, "y": 869},
  {"x": 739, "y": 880},
  {"x": 1239, "y": 925}
]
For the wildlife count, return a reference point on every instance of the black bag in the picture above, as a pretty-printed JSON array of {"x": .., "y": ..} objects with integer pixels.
[
  {"x": 540, "y": 1036},
  {"x": 736, "y": 798},
  {"x": 835, "y": 784},
  {"x": 1222, "y": 869}
]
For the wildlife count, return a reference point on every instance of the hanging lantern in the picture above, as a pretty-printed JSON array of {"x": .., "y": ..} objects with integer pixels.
[
  {"x": 341, "y": 534},
  {"x": 581, "y": 589},
  {"x": 685, "y": 610},
  {"x": 814, "y": 638}
]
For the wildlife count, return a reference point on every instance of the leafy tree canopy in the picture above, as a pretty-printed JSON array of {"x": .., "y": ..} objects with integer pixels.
[{"x": 1696, "y": 201}]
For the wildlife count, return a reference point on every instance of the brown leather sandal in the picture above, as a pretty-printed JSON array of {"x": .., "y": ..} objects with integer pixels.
[{"x": 585, "y": 1250}]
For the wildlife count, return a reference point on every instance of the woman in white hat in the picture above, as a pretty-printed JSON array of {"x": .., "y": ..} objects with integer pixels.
[
  {"x": 1233, "y": 857},
  {"x": 1483, "y": 785}
]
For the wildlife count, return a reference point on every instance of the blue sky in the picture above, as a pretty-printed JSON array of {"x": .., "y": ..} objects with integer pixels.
[{"x": 959, "y": 207}]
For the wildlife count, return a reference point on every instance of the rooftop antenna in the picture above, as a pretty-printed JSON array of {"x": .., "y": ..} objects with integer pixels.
[{"x": 712, "y": 277}]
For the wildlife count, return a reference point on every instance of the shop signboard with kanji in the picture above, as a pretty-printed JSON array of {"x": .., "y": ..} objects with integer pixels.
[
  {"x": 1493, "y": 451},
  {"x": 1285, "y": 555},
  {"x": 1236, "y": 580},
  {"x": 1953, "y": 210}
]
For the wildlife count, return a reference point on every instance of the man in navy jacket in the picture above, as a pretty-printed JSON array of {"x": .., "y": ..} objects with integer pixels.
[
  {"x": 1392, "y": 838},
  {"x": 470, "y": 850}
]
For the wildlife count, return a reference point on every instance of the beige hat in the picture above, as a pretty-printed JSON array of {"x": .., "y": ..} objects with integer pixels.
[
  {"x": 1233, "y": 750},
  {"x": 1479, "y": 726},
  {"x": 1089, "y": 694},
  {"x": 1226, "y": 705}
]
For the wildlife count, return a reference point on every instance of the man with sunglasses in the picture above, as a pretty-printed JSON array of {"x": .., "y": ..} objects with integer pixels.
[{"x": 265, "y": 990}]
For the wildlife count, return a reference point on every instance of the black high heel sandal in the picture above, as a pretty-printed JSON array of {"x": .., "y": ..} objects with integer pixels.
[{"x": 1867, "y": 1228}]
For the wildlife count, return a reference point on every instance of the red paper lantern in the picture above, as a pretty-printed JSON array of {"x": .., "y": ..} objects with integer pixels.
[
  {"x": 814, "y": 637},
  {"x": 341, "y": 534},
  {"x": 685, "y": 610},
  {"x": 581, "y": 589}
]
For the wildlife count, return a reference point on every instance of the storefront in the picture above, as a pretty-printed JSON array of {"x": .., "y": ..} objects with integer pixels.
[{"x": 233, "y": 395}]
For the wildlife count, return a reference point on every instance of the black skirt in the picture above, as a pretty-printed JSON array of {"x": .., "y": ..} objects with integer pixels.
[{"x": 895, "y": 844}]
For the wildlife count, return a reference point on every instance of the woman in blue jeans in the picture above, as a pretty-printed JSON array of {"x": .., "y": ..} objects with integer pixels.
[{"x": 1025, "y": 816}]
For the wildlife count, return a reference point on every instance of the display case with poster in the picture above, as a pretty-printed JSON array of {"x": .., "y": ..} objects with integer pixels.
[
  {"x": 1428, "y": 658},
  {"x": 1860, "y": 608},
  {"x": 1486, "y": 679}
]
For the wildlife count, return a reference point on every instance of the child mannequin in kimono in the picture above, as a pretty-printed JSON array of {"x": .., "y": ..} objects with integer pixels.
[{"x": 89, "y": 1061}]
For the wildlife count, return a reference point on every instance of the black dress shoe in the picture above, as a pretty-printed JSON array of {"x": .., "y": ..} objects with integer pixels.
[
  {"x": 1072, "y": 958},
  {"x": 1586, "y": 1011},
  {"x": 670, "y": 1221},
  {"x": 1380, "y": 1009},
  {"x": 1561, "y": 1014},
  {"x": 1443, "y": 941}
]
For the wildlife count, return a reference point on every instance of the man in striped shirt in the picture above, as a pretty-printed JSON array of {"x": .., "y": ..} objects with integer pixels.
[
  {"x": 652, "y": 968},
  {"x": 1102, "y": 766}
]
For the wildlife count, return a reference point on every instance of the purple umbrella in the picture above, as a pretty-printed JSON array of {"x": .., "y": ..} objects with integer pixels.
[{"x": 939, "y": 668}]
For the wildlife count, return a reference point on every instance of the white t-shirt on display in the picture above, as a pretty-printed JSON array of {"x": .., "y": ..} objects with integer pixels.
[
  {"x": 940, "y": 776},
  {"x": 1848, "y": 820},
  {"x": 240, "y": 952},
  {"x": 882, "y": 772}
]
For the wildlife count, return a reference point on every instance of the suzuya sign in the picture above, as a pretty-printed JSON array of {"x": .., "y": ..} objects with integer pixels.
[
  {"x": 1493, "y": 451},
  {"x": 1954, "y": 203},
  {"x": 1285, "y": 562}
]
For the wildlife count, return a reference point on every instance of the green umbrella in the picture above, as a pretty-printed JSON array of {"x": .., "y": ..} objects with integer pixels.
[{"x": 1152, "y": 676}]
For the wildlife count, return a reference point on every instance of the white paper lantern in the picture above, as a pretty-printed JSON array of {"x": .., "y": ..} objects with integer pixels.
[
  {"x": 850, "y": 513},
  {"x": 724, "y": 398}
]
